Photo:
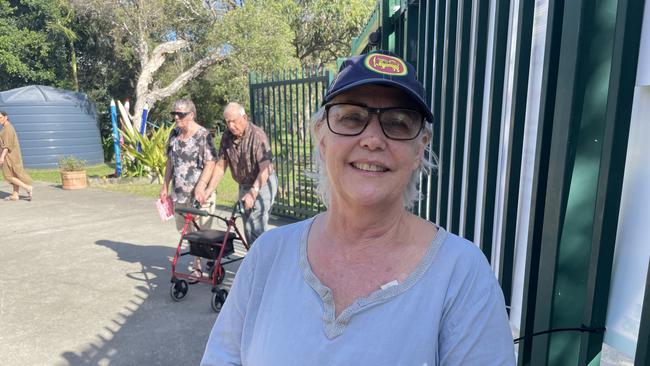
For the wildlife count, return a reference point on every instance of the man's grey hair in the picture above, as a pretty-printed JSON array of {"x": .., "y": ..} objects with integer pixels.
[
  {"x": 320, "y": 175},
  {"x": 187, "y": 103},
  {"x": 240, "y": 109}
]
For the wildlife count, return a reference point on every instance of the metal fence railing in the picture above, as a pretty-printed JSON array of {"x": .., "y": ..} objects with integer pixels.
[{"x": 282, "y": 104}]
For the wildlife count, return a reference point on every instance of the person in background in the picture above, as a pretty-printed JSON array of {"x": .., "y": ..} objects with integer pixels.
[
  {"x": 366, "y": 282},
  {"x": 246, "y": 150},
  {"x": 11, "y": 161},
  {"x": 191, "y": 157}
]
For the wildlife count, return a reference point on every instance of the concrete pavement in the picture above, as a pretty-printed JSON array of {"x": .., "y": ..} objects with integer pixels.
[{"x": 84, "y": 280}]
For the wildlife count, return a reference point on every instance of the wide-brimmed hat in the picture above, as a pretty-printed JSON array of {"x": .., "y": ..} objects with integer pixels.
[{"x": 379, "y": 68}]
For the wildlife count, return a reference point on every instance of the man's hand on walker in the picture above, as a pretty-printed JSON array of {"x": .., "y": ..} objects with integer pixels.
[{"x": 249, "y": 201}]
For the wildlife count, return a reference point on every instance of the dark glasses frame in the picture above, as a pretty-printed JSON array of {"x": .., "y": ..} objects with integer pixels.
[
  {"x": 378, "y": 112},
  {"x": 180, "y": 115}
]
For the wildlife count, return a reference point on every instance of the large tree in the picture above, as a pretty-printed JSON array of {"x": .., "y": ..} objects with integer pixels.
[
  {"x": 155, "y": 32},
  {"x": 324, "y": 28},
  {"x": 31, "y": 50}
]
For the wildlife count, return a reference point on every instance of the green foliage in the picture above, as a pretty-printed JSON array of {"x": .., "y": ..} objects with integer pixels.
[
  {"x": 151, "y": 158},
  {"x": 31, "y": 52},
  {"x": 108, "y": 147},
  {"x": 258, "y": 38},
  {"x": 71, "y": 164},
  {"x": 324, "y": 28}
]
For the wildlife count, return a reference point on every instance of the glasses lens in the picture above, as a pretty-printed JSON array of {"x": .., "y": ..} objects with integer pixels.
[
  {"x": 400, "y": 124},
  {"x": 347, "y": 119},
  {"x": 179, "y": 114}
]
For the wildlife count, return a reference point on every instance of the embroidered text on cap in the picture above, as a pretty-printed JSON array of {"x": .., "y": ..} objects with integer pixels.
[{"x": 385, "y": 64}]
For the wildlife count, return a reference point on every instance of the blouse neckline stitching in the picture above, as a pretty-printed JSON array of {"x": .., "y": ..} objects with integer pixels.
[{"x": 334, "y": 326}]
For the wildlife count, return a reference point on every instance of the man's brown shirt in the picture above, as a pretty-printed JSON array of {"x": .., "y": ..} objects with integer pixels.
[{"x": 244, "y": 155}]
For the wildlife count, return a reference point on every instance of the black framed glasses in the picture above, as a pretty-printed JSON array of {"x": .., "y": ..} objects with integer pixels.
[
  {"x": 180, "y": 115},
  {"x": 349, "y": 119}
]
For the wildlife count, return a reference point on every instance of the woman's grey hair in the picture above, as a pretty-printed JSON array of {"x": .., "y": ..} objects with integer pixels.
[
  {"x": 320, "y": 175},
  {"x": 187, "y": 103}
]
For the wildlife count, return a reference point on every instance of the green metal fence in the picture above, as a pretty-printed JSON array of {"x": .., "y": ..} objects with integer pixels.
[
  {"x": 282, "y": 104},
  {"x": 532, "y": 103}
]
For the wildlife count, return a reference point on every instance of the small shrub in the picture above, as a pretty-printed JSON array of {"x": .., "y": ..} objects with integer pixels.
[
  {"x": 71, "y": 164},
  {"x": 150, "y": 158}
]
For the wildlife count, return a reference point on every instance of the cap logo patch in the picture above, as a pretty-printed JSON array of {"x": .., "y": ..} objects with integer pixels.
[{"x": 385, "y": 64}]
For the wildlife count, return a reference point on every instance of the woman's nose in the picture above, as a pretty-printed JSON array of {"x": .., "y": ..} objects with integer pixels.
[{"x": 373, "y": 136}]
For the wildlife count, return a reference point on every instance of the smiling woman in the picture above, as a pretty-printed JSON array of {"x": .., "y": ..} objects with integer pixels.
[{"x": 366, "y": 274}]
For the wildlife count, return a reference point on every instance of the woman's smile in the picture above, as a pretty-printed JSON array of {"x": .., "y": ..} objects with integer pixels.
[{"x": 369, "y": 167}]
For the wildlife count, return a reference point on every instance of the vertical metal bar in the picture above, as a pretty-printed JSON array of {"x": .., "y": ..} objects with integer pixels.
[
  {"x": 629, "y": 18},
  {"x": 459, "y": 113},
  {"x": 514, "y": 150},
  {"x": 292, "y": 163},
  {"x": 297, "y": 166},
  {"x": 251, "y": 95},
  {"x": 412, "y": 33},
  {"x": 475, "y": 115},
  {"x": 309, "y": 104},
  {"x": 500, "y": 43},
  {"x": 567, "y": 112},
  {"x": 386, "y": 26},
  {"x": 304, "y": 128},
  {"x": 423, "y": 63},
  {"x": 278, "y": 142},
  {"x": 283, "y": 138},
  {"x": 434, "y": 68},
  {"x": 325, "y": 83},
  {"x": 548, "y": 92},
  {"x": 642, "y": 356},
  {"x": 446, "y": 122}
]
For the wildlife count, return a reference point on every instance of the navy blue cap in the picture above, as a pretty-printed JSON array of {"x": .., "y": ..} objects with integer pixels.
[{"x": 380, "y": 68}]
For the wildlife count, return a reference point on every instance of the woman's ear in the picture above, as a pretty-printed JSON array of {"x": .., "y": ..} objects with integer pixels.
[
  {"x": 426, "y": 138},
  {"x": 318, "y": 131},
  {"x": 421, "y": 147}
]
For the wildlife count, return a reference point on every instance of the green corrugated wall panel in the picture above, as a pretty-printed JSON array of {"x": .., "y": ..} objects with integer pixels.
[
  {"x": 575, "y": 93},
  {"x": 569, "y": 293}
]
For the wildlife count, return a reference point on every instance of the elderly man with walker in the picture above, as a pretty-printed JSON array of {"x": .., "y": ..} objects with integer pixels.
[{"x": 245, "y": 149}]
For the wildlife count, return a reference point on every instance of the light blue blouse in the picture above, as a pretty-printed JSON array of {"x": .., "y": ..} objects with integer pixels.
[{"x": 449, "y": 311}]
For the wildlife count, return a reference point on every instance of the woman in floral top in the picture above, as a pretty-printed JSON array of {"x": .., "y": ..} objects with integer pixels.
[{"x": 190, "y": 159}]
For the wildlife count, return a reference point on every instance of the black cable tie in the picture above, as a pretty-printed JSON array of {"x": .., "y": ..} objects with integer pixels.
[{"x": 581, "y": 329}]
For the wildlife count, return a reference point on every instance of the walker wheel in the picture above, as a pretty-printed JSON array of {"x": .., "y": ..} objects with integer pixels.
[
  {"x": 178, "y": 290},
  {"x": 219, "y": 277},
  {"x": 218, "y": 298}
]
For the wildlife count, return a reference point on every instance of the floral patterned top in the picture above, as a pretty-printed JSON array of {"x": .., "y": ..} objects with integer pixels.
[{"x": 188, "y": 158}]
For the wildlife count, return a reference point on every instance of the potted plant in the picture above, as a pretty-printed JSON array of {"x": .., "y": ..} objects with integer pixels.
[{"x": 73, "y": 173}]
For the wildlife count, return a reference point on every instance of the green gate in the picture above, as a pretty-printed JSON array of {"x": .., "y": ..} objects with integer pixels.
[{"x": 282, "y": 104}]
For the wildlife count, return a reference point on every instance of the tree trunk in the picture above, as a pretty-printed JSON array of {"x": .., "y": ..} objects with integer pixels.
[
  {"x": 73, "y": 62},
  {"x": 146, "y": 95}
]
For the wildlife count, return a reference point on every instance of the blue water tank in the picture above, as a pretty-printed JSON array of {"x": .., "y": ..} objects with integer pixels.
[{"x": 52, "y": 123}]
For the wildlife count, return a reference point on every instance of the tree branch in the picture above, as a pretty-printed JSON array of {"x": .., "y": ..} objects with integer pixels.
[{"x": 152, "y": 96}]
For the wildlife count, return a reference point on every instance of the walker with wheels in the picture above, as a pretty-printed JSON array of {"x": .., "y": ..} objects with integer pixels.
[{"x": 214, "y": 245}]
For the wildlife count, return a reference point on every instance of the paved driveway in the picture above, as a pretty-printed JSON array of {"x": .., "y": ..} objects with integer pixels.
[{"x": 84, "y": 280}]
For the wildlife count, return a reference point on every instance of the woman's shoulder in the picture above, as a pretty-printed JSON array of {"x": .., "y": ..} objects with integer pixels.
[
  {"x": 202, "y": 132},
  {"x": 465, "y": 256}
]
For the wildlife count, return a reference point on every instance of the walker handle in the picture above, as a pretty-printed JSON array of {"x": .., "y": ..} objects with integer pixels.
[{"x": 190, "y": 210}]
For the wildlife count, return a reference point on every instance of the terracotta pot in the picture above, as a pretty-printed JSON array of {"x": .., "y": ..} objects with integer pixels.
[{"x": 74, "y": 180}]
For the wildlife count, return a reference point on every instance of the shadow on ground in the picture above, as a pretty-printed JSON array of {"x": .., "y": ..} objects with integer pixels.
[{"x": 152, "y": 329}]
